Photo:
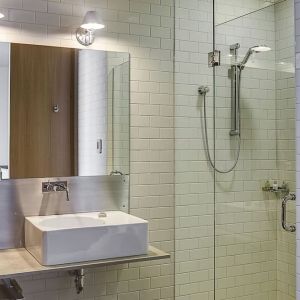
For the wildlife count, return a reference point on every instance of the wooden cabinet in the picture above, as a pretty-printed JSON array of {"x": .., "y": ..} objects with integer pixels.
[{"x": 41, "y": 140}]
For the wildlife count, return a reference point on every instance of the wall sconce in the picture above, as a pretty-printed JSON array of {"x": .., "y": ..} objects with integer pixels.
[
  {"x": 85, "y": 34},
  {"x": 1, "y": 15}
]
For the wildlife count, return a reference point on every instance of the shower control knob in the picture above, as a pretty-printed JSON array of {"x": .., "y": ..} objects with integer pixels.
[{"x": 203, "y": 90}]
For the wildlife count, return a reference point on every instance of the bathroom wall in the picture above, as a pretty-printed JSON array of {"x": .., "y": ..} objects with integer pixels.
[
  {"x": 143, "y": 28},
  {"x": 194, "y": 188}
]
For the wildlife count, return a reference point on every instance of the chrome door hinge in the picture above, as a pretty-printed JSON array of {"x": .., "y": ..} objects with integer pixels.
[{"x": 214, "y": 58}]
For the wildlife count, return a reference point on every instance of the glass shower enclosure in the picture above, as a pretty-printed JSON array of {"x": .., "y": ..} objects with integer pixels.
[
  {"x": 235, "y": 150},
  {"x": 254, "y": 131}
]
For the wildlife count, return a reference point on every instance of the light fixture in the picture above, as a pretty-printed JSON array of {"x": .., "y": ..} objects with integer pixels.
[
  {"x": 1, "y": 15},
  {"x": 85, "y": 34}
]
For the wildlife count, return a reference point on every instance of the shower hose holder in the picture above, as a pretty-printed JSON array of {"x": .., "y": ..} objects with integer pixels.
[{"x": 203, "y": 90}]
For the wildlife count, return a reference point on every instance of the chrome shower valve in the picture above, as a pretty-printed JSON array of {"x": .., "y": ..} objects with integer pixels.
[{"x": 203, "y": 90}]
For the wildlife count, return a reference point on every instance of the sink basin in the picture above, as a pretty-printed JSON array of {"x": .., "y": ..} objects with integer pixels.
[{"x": 61, "y": 239}]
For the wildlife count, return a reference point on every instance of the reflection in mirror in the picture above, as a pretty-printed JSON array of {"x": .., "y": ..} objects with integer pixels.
[{"x": 64, "y": 112}]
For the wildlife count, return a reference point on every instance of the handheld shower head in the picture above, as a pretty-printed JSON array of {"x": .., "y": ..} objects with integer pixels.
[
  {"x": 254, "y": 49},
  {"x": 261, "y": 48}
]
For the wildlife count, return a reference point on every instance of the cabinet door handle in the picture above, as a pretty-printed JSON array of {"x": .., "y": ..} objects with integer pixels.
[{"x": 100, "y": 146}]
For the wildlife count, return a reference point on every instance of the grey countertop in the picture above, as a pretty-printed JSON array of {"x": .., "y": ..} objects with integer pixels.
[{"x": 14, "y": 262}]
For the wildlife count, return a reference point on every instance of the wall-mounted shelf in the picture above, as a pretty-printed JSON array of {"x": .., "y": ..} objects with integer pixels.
[{"x": 14, "y": 262}]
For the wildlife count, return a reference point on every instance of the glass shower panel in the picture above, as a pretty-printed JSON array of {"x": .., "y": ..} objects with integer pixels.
[
  {"x": 286, "y": 113},
  {"x": 254, "y": 135}
]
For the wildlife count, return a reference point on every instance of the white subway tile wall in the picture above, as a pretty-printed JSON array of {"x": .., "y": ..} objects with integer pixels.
[
  {"x": 194, "y": 188},
  {"x": 145, "y": 29}
]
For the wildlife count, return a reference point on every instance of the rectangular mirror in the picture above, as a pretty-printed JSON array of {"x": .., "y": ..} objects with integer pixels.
[{"x": 63, "y": 112}]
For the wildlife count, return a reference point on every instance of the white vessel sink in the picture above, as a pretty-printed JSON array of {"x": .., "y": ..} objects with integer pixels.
[{"x": 61, "y": 239}]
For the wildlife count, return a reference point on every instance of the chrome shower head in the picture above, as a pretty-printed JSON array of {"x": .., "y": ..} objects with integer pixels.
[
  {"x": 261, "y": 48},
  {"x": 254, "y": 49}
]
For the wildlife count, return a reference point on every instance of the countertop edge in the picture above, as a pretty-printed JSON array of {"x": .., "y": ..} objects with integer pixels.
[{"x": 19, "y": 262}]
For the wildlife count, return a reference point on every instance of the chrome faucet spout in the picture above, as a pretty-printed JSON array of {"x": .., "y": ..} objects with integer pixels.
[{"x": 62, "y": 187}]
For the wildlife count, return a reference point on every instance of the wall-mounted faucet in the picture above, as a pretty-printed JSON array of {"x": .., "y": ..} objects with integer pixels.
[{"x": 56, "y": 186}]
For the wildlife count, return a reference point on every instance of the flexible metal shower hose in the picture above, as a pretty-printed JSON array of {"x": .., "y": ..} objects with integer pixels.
[{"x": 207, "y": 144}]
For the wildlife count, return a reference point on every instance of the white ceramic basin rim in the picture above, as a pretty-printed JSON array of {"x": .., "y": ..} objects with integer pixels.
[{"x": 69, "y": 222}]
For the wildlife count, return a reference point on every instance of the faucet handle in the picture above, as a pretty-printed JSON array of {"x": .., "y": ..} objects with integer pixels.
[
  {"x": 47, "y": 187},
  {"x": 57, "y": 186}
]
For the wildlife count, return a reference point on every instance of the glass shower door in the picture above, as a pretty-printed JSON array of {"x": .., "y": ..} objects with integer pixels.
[{"x": 254, "y": 154}]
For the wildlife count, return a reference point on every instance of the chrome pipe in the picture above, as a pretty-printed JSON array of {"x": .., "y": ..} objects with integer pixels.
[
  {"x": 12, "y": 289},
  {"x": 79, "y": 280},
  {"x": 246, "y": 58}
]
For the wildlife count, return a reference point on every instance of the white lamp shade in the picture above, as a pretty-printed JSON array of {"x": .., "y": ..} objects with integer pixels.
[
  {"x": 92, "y": 21},
  {"x": 1, "y": 15}
]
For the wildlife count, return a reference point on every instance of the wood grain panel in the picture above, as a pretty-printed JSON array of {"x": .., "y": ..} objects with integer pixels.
[
  {"x": 62, "y": 123},
  {"x": 41, "y": 141},
  {"x": 30, "y": 124}
]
